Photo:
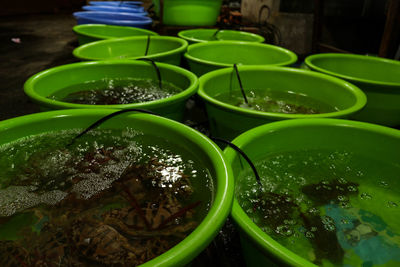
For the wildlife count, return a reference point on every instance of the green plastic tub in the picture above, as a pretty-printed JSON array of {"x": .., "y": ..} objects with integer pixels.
[
  {"x": 379, "y": 78},
  {"x": 189, "y": 12},
  {"x": 205, "y": 35},
  {"x": 88, "y": 33},
  {"x": 228, "y": 121},
  {"x": 182, "y": 136},
  {"x": 165, "y": 49},
  {"x": 48, "y": 82},
  {"x": 206, "y": 57},
  {"x": 374, "y": 142}
]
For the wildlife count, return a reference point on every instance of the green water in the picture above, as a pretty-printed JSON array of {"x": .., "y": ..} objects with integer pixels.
[
  {"x": 115, "y": 91},
  {"x": 52, "y": 193},
  {"x": 267, "y": 100},
  {"x": 332, "y": 208}
]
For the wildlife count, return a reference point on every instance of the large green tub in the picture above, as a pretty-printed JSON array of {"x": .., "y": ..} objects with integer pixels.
[
  {"x": 88, "y": 33},
  {"x": 379, "y": 78},
  {"x": 228, "y": 121},
  {"x": 161, "y": 48},
  {"x": 205, "y": 35},
  {"x": 206, "y": 57},
  {"x": 177, "y": 135},
  {"x": 53, "y": 80},
  {"x": 189, "y": 12},
  {"x": 374, "y": 142}
]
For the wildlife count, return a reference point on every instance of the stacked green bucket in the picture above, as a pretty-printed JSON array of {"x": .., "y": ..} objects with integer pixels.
[
  {"x": 189, "y": 12},
  {"x": 158, "y": 48},
  {"x": 379, "y": 78},
  {"x": 346, "y": 217},
  {"x": 209, "y": 56},
  {"x": 88, "y": 33},
  {"x": 205, "y": 35},
  {"x": 171, "y": 134},
  {"x": 228, "y": 120},
  {"x": 259, "y": 134},
  {"x": 54, "y": 82}
]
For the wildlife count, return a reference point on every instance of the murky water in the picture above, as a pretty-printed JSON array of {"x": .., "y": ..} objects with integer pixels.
[
  {"x": 275, "y": 101},
  {"x": 330, "y": 207},
  {"x": 116, "y": 91},
  {"x": 111, "y": 198}
]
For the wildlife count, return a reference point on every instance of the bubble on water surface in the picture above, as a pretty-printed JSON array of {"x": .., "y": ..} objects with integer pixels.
[
  {"x": 392, "y": 204},
  {"x": 365, "y": 196}
]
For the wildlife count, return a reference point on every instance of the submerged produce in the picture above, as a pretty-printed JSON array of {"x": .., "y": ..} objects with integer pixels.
[
  {"x": 116, "y": 91},
  {"x": 275, "y": 101},
  {"x": 333, "y": 208},
  {"x": 116, "y": 198}
]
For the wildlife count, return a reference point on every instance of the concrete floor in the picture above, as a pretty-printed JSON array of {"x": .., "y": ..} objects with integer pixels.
[{"x": 45, "y": 41}]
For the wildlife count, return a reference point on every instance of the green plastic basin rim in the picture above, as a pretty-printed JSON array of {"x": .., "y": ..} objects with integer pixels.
[
  {"x": 361, "y": 98},
  {"x": 184, "y": 44},
  {"x": 293, "y": 56},
  {"x": 309, "y": 62},
  {"x": 245, "y": 223},
  {"x": 196, "y": 241},
  {"x": 182, "y": 34},
  {"x": 80, "y": 29},
  {"x": 29, "y": 86}
]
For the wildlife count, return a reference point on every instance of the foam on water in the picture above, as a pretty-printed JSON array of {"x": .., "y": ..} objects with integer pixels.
[
  {"x": 41, "y": 170},
  {"x": 14, "y": 199},
  {"x": 268, "y": 100},
  {"x": 116, "y": 91}
]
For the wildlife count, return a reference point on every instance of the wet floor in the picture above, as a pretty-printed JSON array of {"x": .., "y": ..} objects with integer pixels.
[{"x": 29, "y": 44}]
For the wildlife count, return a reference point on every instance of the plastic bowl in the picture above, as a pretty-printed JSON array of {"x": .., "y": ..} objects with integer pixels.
[
  {"x": 113, "y": 18},
  {"x": 165, "y": 49},
  {"x": 209, "y": 56},
  {"x": 205, "y": 35},
  {"x": 379, "y": 78},
  {"x": 373, "y": 141},
  {"x": 134, "y": 10},
  {"x": 116, "y": 3},
  {"x": 50, "y": 81},
  {"x": 176, "y": 133},
  {"x": 88, "y": 33},
  {"x": 189, "y": 12},
  {"x": 347, "y": 98}
]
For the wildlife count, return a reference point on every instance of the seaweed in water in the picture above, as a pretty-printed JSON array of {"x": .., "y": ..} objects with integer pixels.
[
  {"x": 323, "y": 238},
  {"x": 281, "y": 214},
  {"x": 277, "y": 209},
  {"x": 326, "y": 192}
]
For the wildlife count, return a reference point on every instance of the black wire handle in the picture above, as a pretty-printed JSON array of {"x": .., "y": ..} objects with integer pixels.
[
  {"x": 240, "y": 83},
  {"x": 150, "y": 7},
  {"x": 271, "y": 33},
  {"x": 107, "y": 117},
  {"x": 260, "y": 13},
  {"x": 156, "y": 68},
  {"x": 147, "y": 45},
  {"x": 237, "y": 149},
  {"x": 214, "y": 36}
]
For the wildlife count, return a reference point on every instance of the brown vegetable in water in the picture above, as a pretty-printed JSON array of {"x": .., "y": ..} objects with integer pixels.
[{"x": 154, "y": 215}]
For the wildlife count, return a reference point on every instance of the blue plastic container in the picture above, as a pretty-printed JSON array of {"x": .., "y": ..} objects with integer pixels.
[
  {"x": 112, "y": 18},
  {"x": 134, "y": 10},
  {"x": 116, "y": 3}
]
